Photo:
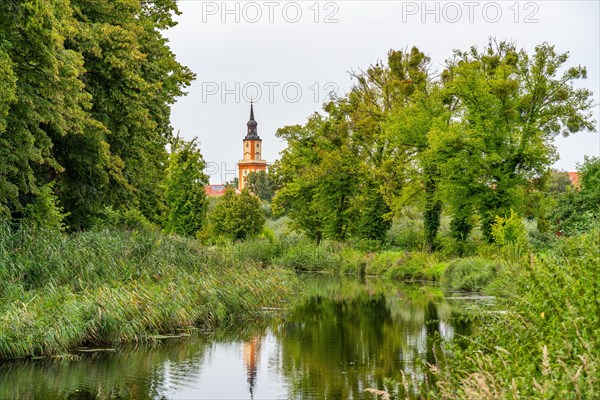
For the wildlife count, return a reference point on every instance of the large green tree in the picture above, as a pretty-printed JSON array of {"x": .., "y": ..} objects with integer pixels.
[
  {"x": 319, "y": 176},
  {"x": 261, "y": 185},
  {"x": 184, "y": 189},
  {"x": 134, "y": 78},
  {"x": 237, "y": 217},
  {"x": 510, "y": 107},
  {"x": 85, "y": 95},
  {"x": 42, "y": 100}
]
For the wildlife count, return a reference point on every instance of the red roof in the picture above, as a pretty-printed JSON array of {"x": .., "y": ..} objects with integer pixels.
[
  {"x": 215, "y": 190},
  {"x": 574, "y": 177}
]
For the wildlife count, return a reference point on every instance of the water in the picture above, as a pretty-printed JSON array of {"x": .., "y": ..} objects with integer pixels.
[{"x": 338, "y": 338}]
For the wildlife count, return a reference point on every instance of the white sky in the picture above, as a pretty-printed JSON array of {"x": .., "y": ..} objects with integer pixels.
[{"x": 271, "y": 53}]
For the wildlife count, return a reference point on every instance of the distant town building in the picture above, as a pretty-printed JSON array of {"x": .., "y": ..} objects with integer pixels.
[
  {"x": 574, "y": 177},
  {"x": 252, "y": 161},
  {"x": 215, "y": 190}
]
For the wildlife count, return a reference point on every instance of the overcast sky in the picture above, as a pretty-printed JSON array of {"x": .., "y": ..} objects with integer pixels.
[{"x": 290, "y": 55}]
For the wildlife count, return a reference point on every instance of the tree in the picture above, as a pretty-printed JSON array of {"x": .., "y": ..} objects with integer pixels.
[
  {"x": 319, "y": 202},
  {"x": 134, "y": 79},
  {"x": 558, "y": 183},
  {"x": 85, "y": 96},
  {"x": 41, "y": 98},
  {"x": 510, "y": 106},
  {"x": 237, "y": 217},
  {"x": 261, "y": 185},
  {"x": 577, "y": 210},
  {"x": 184, "y": 189}
]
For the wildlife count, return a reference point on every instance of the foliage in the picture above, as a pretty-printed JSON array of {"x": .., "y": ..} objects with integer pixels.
[
  {"x": 60, "y": 291},
  {"x": 309, "y": 256},
  {"x": 579, "y": 209},
  {"x": 261, "y": 185},
  {"x": 406, "y": 233},
  {"x": 184, "y": 189},
  {"x": 405, "y": 266},
  {"x": 509, "y": 107},
  {"x": 470, "y": 274},
  {"x": 85, "y": 98},
  {"x": 545, "y": 344},
  {"x": 237, "y": 217},
  {"x": 509, "y": 231}
]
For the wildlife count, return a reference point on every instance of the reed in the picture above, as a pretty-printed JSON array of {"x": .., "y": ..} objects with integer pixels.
[
  {"x": 61, "y": 291},
  {"x": 545, "y": 344}
]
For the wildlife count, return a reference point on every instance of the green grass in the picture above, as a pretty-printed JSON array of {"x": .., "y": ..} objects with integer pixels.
[
  {"x": 545, "y": 344},
  {"x": 405, "y": 266},
  {"x": 470, "y": 274},
  {"x": 61, "y": 291}
]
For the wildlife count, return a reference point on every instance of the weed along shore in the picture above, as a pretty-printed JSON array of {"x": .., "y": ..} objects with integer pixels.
[{"x": 59, "y": 291}]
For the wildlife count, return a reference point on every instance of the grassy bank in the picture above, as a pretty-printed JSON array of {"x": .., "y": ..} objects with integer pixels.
[
  {"x": 471, "y": 273},
  {"x": 62, "y": 291},
  {"x": 546, "y": 345}
]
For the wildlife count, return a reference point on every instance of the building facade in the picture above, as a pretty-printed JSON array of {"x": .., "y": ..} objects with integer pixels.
[{"x": 252, "y": 150}]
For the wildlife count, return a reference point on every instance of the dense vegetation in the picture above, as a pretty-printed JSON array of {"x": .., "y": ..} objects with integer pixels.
[
  {"x": 546, "y": 344},
  {"x": 106, "y": 233},
  {"x": 85, "y": 95},
  {"x": 473, "y": 143},
  {"x": 60, "y": 291}
]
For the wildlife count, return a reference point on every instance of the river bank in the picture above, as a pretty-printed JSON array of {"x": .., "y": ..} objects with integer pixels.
[
  {"x": 93, "y": 288},
  {"x": 61, "y": 291}
]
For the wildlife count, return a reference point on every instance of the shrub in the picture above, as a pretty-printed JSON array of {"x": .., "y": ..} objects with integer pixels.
[
  {"x": 406, "y": 234},
  {"x": 405, "y": 266},
  {"x": 509, "y": 231},
  {"x": 471, "y": 274},
  {"x": 237, "y": 217},
  {"x": 308, "y": 256},
  {"x": 545, "y": 343}
]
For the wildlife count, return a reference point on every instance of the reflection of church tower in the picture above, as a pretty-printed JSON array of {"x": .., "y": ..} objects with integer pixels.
[
  {"x": 252, "y": 161},
  {"x": 251, "y": 355}
]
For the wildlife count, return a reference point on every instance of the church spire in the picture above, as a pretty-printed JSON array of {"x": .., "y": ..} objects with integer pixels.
[{"x": 252, "y": 124}]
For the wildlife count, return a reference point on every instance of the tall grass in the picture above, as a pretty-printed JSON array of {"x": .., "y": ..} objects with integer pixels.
[
  {"x": 60, "y": 291},
  {"x": 546, "y": 345}
]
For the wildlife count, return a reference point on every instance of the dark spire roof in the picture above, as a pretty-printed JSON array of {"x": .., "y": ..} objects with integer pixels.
[{"x": 252, "y": 124}]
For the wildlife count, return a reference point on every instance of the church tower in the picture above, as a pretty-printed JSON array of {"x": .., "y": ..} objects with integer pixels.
[{"x": 252, "y": 161}]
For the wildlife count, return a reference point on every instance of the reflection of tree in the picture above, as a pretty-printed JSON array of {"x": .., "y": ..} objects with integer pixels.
[
  {"x": 339, "y": 339},
  {"x": 131, "y": 373},
  {"x": 144, "y": 372},
  {"x": 337, "y": 345}
]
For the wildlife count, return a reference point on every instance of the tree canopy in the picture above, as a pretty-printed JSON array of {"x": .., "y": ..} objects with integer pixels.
[
  {"x": 85, "y": 96},
  {"x": 475, "y": 142}
]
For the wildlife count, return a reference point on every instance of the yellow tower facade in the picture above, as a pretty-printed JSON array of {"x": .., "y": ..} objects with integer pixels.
[{"x": 252, "y": 160}]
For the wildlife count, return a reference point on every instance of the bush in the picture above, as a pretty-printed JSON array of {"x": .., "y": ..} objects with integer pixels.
[
  {"x": 237, "y": 217},
  {"x": 309, "y": 256},
  {"x": 405, "y": 266},
  {"x": 127, "y": 219},
  {"x": 545, "y": 343},
  {"x": 470, "y": 274},
  {"x": 509, "y": 231},
  {"x": 406, "y": 234},
  {"x": 261, "y": 251}
]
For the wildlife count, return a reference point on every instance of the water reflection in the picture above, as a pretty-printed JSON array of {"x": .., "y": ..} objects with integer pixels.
[{"x": 341, "y": 337}]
